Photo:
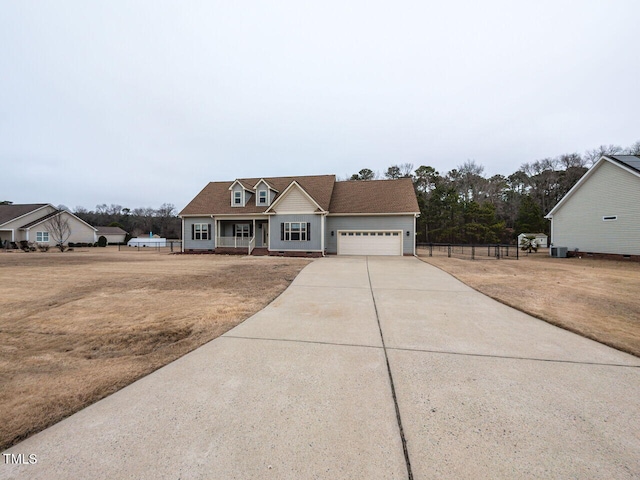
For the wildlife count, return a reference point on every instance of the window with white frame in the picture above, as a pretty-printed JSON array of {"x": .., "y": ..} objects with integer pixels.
[
  {"x": 242, "y": 230},
  {"x": 237, "y": 198},
  {"x": 295, "y": 231},
  {"x": 42, "y": 237},
  {"x": 201, "y": 231},
  {"x": 262, "y": 197}
]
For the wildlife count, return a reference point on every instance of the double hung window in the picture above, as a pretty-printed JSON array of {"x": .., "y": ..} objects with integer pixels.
[
  {"x": 42, "y": 237},
  {"x": 201, "y": 231},
  {"x": 295, "y": 231},
  {"x": 242, "y": 230}
]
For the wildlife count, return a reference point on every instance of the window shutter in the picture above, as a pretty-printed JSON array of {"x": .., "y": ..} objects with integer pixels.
[
  {"x": 209, "y": 229},
  {"x": 281, "y": 231},
  {"x": 234, "y": 229},
  {"x": 193, "y": 232},
  {"x": 308, "y": 231}
]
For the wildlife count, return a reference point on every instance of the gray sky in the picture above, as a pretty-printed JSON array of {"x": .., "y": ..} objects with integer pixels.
[{"x": 143, "y": 102}]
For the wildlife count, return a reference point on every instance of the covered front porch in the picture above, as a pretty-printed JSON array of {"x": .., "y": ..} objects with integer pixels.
[{"x": 242, "y": 236}]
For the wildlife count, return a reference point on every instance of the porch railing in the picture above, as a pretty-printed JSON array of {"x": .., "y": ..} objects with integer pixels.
[
  {"x": 252, "y": 244},
  {"x": 233, "y": 242}
]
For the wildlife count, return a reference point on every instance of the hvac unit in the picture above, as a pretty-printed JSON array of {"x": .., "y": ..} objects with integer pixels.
[{"x": 559, "y": 252}]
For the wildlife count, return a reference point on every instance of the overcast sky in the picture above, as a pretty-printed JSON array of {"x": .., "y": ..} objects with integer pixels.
[{"x": 140, "y": 103}]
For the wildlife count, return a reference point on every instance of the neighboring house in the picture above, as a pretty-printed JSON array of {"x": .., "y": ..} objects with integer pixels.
[
  {"x": 114, "y": 235},
  {"x": 307, "y": 215},
  {"x": 541, "y": 238},
  {"x": 28, "y": 222},
  {"x": 601, "y": 213}
]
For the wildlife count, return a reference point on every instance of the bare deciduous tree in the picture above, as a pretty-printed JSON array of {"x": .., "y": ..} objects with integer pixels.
[{"x": 59, "y": 229}]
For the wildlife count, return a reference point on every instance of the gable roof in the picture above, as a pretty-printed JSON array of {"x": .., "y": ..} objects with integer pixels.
[
  {"x": 11, "y": 212},
  {"x": 374, "y": 196},
  {"x": 110, "y": 231},
  {"x": 340, "y": 198},
  {"x": 214, "y": 199},
  {"x": 629, "y": 163},
  {"x": 291, "y": 186}
]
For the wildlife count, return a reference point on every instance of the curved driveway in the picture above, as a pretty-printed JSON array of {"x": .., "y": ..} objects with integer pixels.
[{"x": 365, "y": 368}]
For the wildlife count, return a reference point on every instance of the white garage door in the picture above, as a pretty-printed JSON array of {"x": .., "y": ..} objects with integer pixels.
[{"x": 388, "y": 242}]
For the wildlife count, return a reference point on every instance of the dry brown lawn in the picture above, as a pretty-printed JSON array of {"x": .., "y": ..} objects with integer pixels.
[
  {"x": 596, "y": 298},
  {"x": 77, "y": 326}
]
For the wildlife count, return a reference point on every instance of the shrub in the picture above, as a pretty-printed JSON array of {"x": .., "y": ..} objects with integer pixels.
[
  {"x": 43, "y": 247},
  {"x": 102, "y": 241}
]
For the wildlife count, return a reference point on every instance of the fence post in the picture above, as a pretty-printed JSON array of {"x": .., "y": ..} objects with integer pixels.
[
  {"x": 473, "y": 252},
  {"x": 431, "y": 249},
  {"x": 449, "y": 250}
]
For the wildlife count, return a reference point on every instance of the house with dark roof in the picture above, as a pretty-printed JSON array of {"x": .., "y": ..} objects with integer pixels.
[
  {"x": 114, "y": 235},
  {"x": 601, "y": 213},
  {"x": 31, "y": 223},
  {"x": 302, "y": 216}
]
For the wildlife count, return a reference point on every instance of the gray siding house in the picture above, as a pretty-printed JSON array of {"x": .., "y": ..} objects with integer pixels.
[
  {"x": 307, "y": 215},
  {"x": 601, "y": 213}
]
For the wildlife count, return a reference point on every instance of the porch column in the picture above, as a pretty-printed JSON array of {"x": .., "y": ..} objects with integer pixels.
[{"x": 322, "y": 221}]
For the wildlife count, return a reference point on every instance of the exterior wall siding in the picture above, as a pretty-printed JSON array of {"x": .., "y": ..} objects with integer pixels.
[
  {"x": 282, "y": 245},
  {"x": 610, "y": 191},
  {"x": 191, "y": 244},
  {"x": 381, "y": 222},
  {"x": 295, "y": 201}
]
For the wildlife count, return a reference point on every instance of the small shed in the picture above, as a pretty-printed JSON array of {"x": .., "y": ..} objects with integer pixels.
[
  {"x": 114, "y": 235},
  {"x": 541, "y": 239}
]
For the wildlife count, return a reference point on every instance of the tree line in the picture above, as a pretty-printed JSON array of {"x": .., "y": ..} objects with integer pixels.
[
  {"x": 136, "y": 221},
  {"x": 464, "y": 206}
]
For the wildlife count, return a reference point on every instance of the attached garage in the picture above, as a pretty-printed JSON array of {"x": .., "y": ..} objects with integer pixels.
[{"x": 356, "y": 242}]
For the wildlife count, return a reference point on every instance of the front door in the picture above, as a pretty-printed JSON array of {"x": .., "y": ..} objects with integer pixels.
[{"x": 265, "y": 234}]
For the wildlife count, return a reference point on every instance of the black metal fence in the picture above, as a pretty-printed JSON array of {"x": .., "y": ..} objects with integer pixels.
[
  {"x": 473, "y": 252},
  {"x": 170, "y": 246}
]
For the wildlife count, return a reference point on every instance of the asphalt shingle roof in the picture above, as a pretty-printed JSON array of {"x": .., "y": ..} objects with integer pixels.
[
  {"x": 356, "y": 197},
  {"x": 11, "y": 212}
]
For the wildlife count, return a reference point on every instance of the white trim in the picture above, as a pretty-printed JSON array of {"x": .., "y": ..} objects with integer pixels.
[
  {"x": 239, "y": 183},
  {"x": 322, "y": 233},
  {"x": 262, "y": 180},
  {"x": 284, "y": 194},
  {"x": 584, "y": 178}
]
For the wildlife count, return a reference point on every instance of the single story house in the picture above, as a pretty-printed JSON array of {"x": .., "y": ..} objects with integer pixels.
[
  {"x": 601, "y": 213},
  {"x": 114, "y": 235},
  {"x": 306, "y": 215},
  {"x": 541, "y": 238},
  {"x": 32, "y": 223}
]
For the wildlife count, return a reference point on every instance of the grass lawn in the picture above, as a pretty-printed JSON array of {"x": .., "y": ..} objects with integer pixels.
[
  {"x": 596, "y": 298},
  {"x": 77, "y": 326}
]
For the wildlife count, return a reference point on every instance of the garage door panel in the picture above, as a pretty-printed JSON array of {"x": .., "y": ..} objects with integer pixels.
[{"x": 369, "y": 243}]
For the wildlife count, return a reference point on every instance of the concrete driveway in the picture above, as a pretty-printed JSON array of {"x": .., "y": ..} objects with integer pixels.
[{"x": 365, "y": 368}]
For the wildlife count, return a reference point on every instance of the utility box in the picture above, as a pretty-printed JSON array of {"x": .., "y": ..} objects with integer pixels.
[{"x": 558, "y": 252}]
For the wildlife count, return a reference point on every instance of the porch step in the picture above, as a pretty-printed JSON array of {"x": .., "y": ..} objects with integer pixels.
[{"x": 260, "y": 251}]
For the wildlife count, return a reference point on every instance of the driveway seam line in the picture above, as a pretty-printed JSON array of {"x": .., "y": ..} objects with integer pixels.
[
  {"x": 405, "y": 450},
  {"x": 293, "y": 340},
  {"x": 507, "y": 357},
  {"x": 418, "y": 350}
]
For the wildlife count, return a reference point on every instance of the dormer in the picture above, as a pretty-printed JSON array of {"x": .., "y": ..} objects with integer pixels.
[
  {"x": 265, "y": 193},
  {"x": 240, "y": 195}
]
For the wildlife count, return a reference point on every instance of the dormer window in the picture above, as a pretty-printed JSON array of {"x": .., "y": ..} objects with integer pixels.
[
  {"x": 237, "y": 198},
  {"x": 262, "y": 197}
]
